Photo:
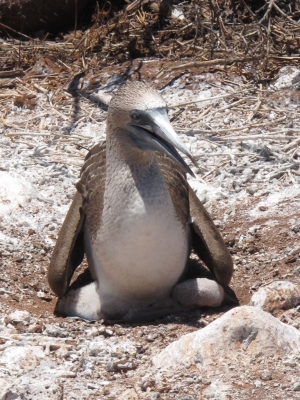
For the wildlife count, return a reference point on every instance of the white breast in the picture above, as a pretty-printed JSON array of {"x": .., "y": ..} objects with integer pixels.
[{"x": 140, "y": 253}]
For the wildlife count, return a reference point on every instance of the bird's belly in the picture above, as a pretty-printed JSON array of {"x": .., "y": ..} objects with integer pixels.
[{"x": 142, "y": 259}]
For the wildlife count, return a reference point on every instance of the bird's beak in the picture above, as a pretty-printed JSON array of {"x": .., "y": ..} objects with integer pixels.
[{"x": 154, "y": 132}]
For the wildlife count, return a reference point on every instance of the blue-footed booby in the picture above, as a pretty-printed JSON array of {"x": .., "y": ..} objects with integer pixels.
[{"x": 136, "y": 218}]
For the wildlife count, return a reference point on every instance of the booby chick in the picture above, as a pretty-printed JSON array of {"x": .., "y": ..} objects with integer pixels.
[{"x": 136, "y": 218}]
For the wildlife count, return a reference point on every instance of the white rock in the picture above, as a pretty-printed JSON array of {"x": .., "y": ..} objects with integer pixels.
[
  {"x": 279, "y": 295},
  {"x": 217, "y": 390},
  {"x": 288, "y": 76},
  {"x": 18, "y": 316},
  {"x": 98, "y": 347},
  {"x": 129, "y": 394},
  {"x": 239, "y": 336},
  {"x": 27, "y": 388},
  {"x": 92, "y": 332},
  {"x": 17, "y": 357}
]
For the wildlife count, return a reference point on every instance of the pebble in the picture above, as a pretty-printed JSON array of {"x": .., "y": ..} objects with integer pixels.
[
  {"x": 155, "y": 396},
  {"x": 296, "y": 387},
  {"x": 266, "y": 375},
  {"x": 122, "y": 365},
  {"x": 54, "y": 331},
  {"x": 151, "y": 337},
  {"x": 218, "y": 223},
  {"x": 92, "y": 332},
  {"x": 17, "y": 316},
  {"x": 252, "y": 189}
]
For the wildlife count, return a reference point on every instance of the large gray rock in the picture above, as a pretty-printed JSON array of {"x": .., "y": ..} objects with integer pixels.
[{"x": 238, "y": 337}]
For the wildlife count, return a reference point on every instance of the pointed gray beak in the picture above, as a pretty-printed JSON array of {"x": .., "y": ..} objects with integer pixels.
[{"x": 151, "y": 130}]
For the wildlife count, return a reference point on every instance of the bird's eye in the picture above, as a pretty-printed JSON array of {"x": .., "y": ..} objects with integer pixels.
[{"x": 135, "y": 116}]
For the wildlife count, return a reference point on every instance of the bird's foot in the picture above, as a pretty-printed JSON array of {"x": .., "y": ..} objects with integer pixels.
[
  {"x": 188, "y": 295},
  {"x": 199, "y": 292},
  {"x": 83, "y": 302}
]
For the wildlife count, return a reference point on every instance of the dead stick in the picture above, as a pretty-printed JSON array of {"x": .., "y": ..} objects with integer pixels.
[
  {"x": 220, "y": 61},
  {"x": 19, "y": 33}
]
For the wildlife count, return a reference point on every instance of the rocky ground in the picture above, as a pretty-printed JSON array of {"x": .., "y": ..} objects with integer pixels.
[{"x": 245, "y": 138}]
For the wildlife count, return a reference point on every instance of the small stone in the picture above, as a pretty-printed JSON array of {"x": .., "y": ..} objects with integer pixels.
[
  {"x": 35, "y": 328},
  {"x": 155, "y": 396},
  {"x": 296, "y": 387},
  {"x": 252, "y": 189},
  {"x": 42, "y": 295},
  {"x": 266, "y": 375},
  {"x": 88, "y": 372},
  {"x": 147, "y": 383},
  {"x": 295, "y": 228},
  {"x": 218, "y": 223},
  {"x": 92, "y": 332},
  {"x": 92, "y": 386},
  {"x": 120, "y": 331},
  {"x": 233, "y": 170},
  {"x": 151, "y": 337},
  {"x": 54, "y": 331},
  {"x": 202, "y": 323},
  {"x": 122, "y": 365},
  {"x": 129, "y": 394},
  {"x": 101, "y": 330},
  {"x": 17, "y": 317},
  {"x": 263, "y": 208}
]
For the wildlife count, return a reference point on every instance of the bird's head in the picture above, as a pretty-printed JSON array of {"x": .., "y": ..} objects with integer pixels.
[{"x": 139, "y": 110}]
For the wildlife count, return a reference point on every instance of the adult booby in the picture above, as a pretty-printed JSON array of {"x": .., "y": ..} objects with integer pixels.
[{"x": 136, "y": 218}]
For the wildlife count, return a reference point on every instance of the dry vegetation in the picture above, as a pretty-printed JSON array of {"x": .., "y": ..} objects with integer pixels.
[
  {"x": 253, "y": 39},
  {"x": 259, "y": 36}
]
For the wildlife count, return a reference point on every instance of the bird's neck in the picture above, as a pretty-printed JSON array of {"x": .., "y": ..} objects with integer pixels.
[
  {"x": 133, "y": 175},
  {"x": 122, "y": 155}
]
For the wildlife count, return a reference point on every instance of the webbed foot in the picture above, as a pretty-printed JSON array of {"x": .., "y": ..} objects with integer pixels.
[
  {"x": 199, "y": 292},
  {"x": 83, "y": 302}
]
